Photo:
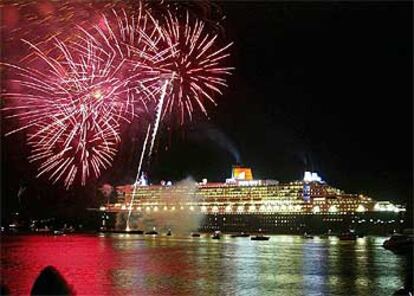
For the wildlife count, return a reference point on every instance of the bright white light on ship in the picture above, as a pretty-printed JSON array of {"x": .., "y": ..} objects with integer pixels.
[
  {"x": 360, "y": 209},
  {"x": 215, "y": 209},
  {"x": 252, "y": 208},
  {"x": 385, "y": 207},
  {"x": 203, "y": 208},
  {"x": 316, "y": 209},
  {"x": 333, "y": 209},
  {"x": 191, "y": 208},
  {"x": 228, "y": 209}
]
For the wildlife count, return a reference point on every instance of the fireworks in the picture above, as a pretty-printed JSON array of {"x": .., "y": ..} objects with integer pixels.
[
  {"x": 193, "y": 65},
  {"x": 135, "y": 39},
  {"x": 72, "y": 110},
  {"x": 73, "y": 92},
  {"x": 190, "y": 71}
]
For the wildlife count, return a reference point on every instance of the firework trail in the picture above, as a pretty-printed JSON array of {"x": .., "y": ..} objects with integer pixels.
[
  {"x": 137, "y": 177},
  {"x": 191, "y": 61},
  {"x": 158, "y": 115}
]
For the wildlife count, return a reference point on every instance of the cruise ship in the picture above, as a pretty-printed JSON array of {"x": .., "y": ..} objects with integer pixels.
[{"x": 244, "y": 204}]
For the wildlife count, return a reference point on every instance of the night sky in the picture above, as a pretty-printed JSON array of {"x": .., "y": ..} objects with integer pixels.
[{"x": 319, "y": 86}]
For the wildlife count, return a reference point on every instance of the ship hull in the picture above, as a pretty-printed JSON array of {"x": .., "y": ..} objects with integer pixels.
[{"x": 374, "y": 223}]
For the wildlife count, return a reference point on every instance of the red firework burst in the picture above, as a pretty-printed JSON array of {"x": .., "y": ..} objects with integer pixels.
[
  {"x": 194, "y": 66},
  {"x": 72, "y": 109},
  {"x": 133, "y": 38}
]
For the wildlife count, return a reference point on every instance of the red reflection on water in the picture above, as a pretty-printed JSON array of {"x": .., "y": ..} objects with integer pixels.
[
  {"x": 154, "y": 266},
  {"x": 80, "y": 259},
  {"x": 121, "y": 265}
]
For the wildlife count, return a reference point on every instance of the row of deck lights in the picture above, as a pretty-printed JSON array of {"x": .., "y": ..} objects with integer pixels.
[
  {"x": 262, "y": 208},
  {"x": 232, "y": 209}
]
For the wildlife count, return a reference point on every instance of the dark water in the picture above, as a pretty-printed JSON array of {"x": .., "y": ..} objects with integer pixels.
[{"x": 133, "y": 264}]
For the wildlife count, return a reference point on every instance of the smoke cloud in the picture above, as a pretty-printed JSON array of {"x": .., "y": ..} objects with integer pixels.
[
  {"x": 177, "y": 216},
  {"x": 218, "y": 137},
  {"x": 223, "y": 141}
]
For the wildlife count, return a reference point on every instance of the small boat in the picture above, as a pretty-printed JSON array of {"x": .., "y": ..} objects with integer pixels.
[
  {"x": 307, "y": 236},
  {"x": 260, "y": 237},
  {"x": 195, "y": 234},
  {"x": 348, "y": 236},
  {"x": 133, "y": 232},
  {"x": 240, "y": 234},
  {"x": 152, "y": 232},
  {"x": 57, "y": 232},
  {"x": 216, "y": 235},
  {"x": 400, "y": 243}
]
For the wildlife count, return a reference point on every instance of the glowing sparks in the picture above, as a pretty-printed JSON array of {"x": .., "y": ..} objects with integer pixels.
[
  {"x": 158, "y": 114},
  {"x": 73, "y": 92},
  {"x": 72, "y": 109},
  {"x": 194, "y": 65}
]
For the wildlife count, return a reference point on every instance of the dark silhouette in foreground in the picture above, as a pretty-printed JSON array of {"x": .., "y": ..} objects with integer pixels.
[
  {"x": 51, "y": 282},
  {"x": 4, "y": 290}
]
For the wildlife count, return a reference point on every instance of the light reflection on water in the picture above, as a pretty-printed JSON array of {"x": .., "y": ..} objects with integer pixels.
[{"x": 121, "y": 264}]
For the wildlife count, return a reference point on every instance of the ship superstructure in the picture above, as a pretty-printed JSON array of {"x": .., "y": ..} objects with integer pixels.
[{"x": 242, "y": 203}]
